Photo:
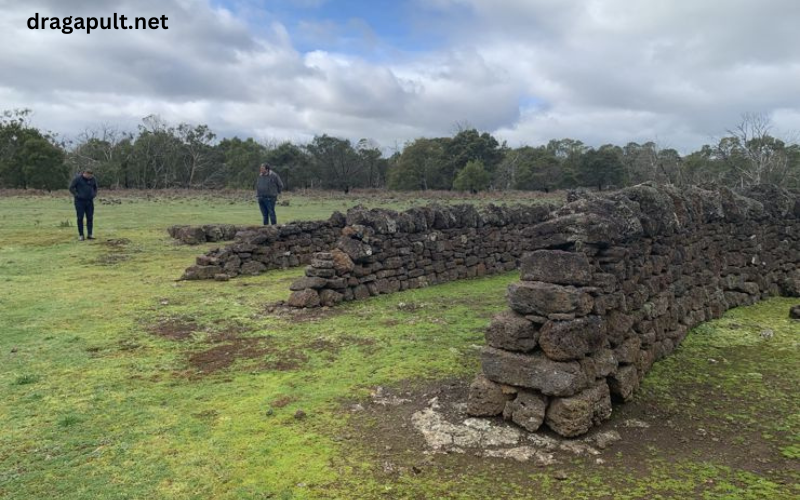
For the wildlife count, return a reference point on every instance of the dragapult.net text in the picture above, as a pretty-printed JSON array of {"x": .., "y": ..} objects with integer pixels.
[{"x": 71, "y": 24}]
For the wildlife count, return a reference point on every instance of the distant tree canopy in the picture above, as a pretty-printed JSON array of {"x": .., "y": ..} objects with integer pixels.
[
  {"x": 161, "y": 155},
  {"x": 473, "y": 177},
  {"x": 29, "y": 159}
]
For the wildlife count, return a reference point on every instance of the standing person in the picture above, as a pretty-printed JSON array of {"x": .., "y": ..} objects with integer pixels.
[
  {"x": 268, "y": 187},
  {"x": 84, "y": 188}
]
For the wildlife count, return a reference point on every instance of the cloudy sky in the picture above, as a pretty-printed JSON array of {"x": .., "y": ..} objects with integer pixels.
[{"x": 679, "y": 72}]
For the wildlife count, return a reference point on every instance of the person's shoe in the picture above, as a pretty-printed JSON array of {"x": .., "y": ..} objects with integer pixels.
[
  {"x": 90, "y": 237},
  {"x": 80, "y": 238}
]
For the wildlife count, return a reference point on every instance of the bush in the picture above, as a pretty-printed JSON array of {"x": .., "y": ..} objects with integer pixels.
[{"x": 473, "y": 177}]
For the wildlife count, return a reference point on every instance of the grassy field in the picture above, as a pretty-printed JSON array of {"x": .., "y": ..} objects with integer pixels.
[{"x": 118, "y": 382}]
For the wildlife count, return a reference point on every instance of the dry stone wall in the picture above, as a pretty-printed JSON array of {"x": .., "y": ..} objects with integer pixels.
[
  {"x": 195, "y": 235},
  {"x": 614, "y": 284},
  {"x": 383, "y": 251},
  {"x": 256, "y": 249}
]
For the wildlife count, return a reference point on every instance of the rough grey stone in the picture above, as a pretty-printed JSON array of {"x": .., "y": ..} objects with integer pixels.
[
  {"x": 624, "y": 382},
  {"x": 342, "y": 262},
  {"x": 308, "y": 282},
  {"x": 575, "y": 415},
  {"x": 201, "y": 272},
  {"x": 511, "y": 331},
  {"x": 556, "y": 266},
  {"x": 567, "y": 340},
  {"x": 628, "y": 351},
  {"x": 534, "y": 371},
  {"x": 526, "y": 410},
  {"x": 354, "y": 248},
  {"x": 486, "y": 398},
  {"x": 535, "y": 297},
  {"x": 253, "y": 268},
  {"x": 330, "y": 298},
  {"x": 304, "y": 298}
]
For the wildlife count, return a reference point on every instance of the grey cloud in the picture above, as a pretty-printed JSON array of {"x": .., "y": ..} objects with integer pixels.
[
  {"x": 603, "y": 71},
  {"x": 182, "y": 61}
]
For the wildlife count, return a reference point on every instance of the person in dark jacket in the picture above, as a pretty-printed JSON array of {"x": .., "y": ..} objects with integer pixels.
[
  {"x": 84, "y": 188},
  {"x": 268, "y": 187}
]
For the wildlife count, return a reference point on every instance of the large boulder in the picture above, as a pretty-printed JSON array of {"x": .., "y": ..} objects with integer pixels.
[{"x": 534, "y": 371}]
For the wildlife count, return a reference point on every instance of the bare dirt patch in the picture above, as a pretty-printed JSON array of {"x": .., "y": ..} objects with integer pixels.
[
  {"x": 391, "y": 428},
  {"x": 217, "y": 347},
  {"x": 177, "y": 329},
  {"x": 224, "y": 355},
  {"x": 117, "y": 250},
  {"x": 281, "y": 310}
]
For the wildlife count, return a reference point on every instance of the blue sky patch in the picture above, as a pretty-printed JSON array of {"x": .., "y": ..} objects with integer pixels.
[{"x": 373, "y": 30}]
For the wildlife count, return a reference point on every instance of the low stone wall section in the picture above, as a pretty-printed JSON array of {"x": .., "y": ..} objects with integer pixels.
[
  {"x": 256, "y": 249},
  {"x": 195, "y": 235},
  {"x": 383, "y": 251},
  {"x": 615, "y": 283}
]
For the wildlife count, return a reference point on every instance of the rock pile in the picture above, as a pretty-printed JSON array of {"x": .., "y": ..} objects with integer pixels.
[
  {"x": 614, "y": 284},
  {"x": 382, "y": 251},
  {"x": 257, "y": 249}
]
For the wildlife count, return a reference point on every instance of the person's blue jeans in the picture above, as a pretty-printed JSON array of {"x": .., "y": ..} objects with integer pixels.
[
  {"x": 267, "y": 206},
  {"x": 85, "y": 208}
]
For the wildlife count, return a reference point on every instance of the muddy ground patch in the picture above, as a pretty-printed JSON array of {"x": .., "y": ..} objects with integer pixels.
[
  {"x": 211, "y": 349},
  {"x": 639, "y": 436}
]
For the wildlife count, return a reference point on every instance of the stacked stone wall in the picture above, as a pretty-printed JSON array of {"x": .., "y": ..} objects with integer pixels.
[
  {"x": 256, "y": 249},
  {"x": 195, "y": 235},
  {"x": 383, "y": 251},
  {"x": 614, "y": 284}
]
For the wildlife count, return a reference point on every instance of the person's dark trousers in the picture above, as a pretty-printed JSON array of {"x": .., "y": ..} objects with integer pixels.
[
  {"x": 267, "y": 206},
  {"x": 85, "y": 208}
]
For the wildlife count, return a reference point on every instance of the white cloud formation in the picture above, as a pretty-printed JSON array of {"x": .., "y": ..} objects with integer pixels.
[{"x": 678, "y": 72}]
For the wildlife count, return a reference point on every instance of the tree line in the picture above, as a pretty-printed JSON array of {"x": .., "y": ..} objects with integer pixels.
[{"x": 160, "y": 155}]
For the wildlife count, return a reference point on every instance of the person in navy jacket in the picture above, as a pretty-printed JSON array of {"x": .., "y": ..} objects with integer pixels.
[{"x": 84, "y": 188}]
